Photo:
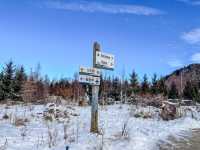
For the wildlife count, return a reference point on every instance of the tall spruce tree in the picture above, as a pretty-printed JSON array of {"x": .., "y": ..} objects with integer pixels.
[
  {"x": 162, "y": 88},
  {"x": 1, "y": 86},
  {"x": 116, "y": 89},
  {"x": 196, "y": 94},
  {"x": 173, "y": 92},
  {"x": 8, "y": 80},
  {"x": 154, "y": 87},
  {"x": 20, "y": 77},
  {"x": 145, "y": 85},
  {"x": 191, "y": 91},
  {"x": 134, "y": 83},
  {"x": 188, "y": 91}
]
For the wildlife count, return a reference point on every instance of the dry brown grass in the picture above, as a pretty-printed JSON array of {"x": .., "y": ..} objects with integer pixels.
[{"x": 20, "y": 121}]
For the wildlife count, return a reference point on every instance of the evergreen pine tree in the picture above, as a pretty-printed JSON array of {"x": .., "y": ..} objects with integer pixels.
[
  {"x": 162, "y": 88},
  {"x": 8, "y": 80},
  {"x": 191, "y": 91},
  {"x": 20, "y": 77},
  {"x": 109, "y": 86},
  {"x": 195, "y": 93},
  {"x": 173, "y": 92},
  {"x": 134, "y": 82},
  {"x": 188, "y": 91},
  {"x": 154, "y": 87},
  {"x": 1, "y": 86},
  {"x": 116, "y": 89},
  {"x": 145, "y": 85}
]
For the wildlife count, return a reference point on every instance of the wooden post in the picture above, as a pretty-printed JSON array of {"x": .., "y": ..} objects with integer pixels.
[
  {"x": 94, "y": 112},
  {"x": 95, "y": 93}
]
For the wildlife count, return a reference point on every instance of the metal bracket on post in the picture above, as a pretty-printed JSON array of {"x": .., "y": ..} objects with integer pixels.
[{"x": 95, "y": 93}]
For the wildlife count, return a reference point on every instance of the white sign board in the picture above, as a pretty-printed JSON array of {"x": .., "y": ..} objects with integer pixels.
[
  {"x": 104, "y": 61},
  {"x": 90, "y": 71},
  {"x": 87, "y": 79}
]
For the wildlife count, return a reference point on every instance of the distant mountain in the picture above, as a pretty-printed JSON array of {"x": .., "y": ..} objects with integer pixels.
[{"x": 188, "y": 73}]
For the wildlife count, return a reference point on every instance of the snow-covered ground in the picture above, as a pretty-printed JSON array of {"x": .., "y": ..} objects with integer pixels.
[{"x": 73, "y": 129}]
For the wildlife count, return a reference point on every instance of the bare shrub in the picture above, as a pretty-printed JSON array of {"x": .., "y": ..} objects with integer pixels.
[
  {"x": 20, "y": 121},
  {"x": 55, "y": 136},
  {"x": 82, "y": 103},
  {"x": 51, "y": 111},
  {"x": 23, "y": 132},
  {"x": 7, "y": 107},
  {"x": 4, "y": 146},
  {"x": 65, "y": 129},
  {"x": 40, "y": 141},
  {"x": 77, "y": 129},
  {"x": 72, "y": 137},
  {"x": 65, "y": 114},
  {"x": 74, "y": 114},
  {"x": 52, "y": 137},
  {"x": 132, "y": 110},
  {"x": 142, "y": 114},
  {"x": 48, "y": 118},
  {"x": 101, "y": 145},
  {"x": 31, "y": 107},
  {"x": 124, "y": 132},
  {"x": 98, "y": 147},
  {"x": 26, "y": 120},
  {"x": 11, "y": 118}
]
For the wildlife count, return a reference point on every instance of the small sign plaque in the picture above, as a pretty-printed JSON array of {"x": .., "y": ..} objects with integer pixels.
[
  {"x": 104, "y": 61},
  {"x": 88, "y": 79},
  {"x": 90, "y": 71}
]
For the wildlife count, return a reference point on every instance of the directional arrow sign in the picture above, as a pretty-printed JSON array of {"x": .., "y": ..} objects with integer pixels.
[
  {"x": 90, "y": 71},
  {"x": 104, "y": 61},
  {"x": 88, "y": 79}
]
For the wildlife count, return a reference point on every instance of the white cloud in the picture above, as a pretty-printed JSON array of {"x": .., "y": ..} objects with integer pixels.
[
  {"x": 192, "y": 37},
  {"x": 103, "y": 7},
  {"x": 175, "y": 63},
  {"x": 196, "y": 58}
]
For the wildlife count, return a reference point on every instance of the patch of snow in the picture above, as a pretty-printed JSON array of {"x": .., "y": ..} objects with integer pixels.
[{"x": 143, "y": 134}]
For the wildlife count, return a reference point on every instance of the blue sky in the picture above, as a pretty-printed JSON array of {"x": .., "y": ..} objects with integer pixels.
[{"x": 150, "y": 36}]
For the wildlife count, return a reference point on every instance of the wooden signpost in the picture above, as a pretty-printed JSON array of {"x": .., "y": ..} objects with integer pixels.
[{"x": 91, "y": 76}]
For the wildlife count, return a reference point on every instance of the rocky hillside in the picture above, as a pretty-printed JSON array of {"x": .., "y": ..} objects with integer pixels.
[{"x": 188, "y": 73}]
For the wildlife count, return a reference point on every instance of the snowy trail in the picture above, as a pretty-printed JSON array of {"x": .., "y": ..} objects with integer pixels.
[{"x": 142, "y": 134}]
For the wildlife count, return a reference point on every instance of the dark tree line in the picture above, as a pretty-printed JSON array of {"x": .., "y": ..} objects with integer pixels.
[
  {"x": 16, "y": 84},
  {"x": 153, "y": 87}
]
